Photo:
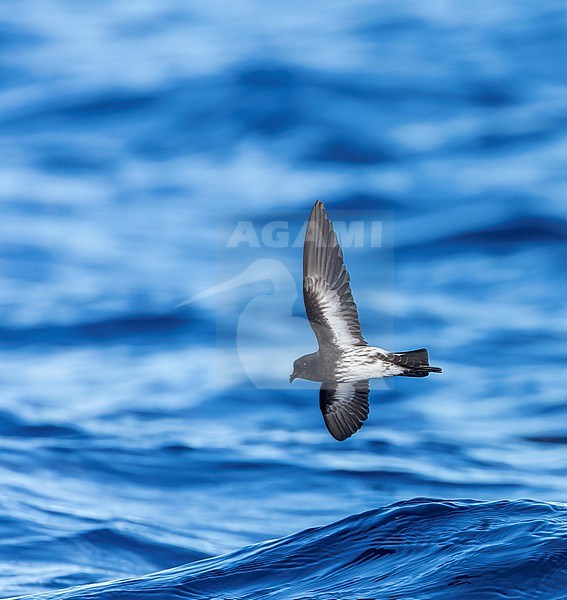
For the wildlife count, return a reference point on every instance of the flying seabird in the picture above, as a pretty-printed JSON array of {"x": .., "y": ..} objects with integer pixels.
[{"x": 344, "y": 362}]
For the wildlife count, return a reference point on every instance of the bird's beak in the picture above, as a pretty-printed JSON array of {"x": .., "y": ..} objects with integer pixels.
[{"x": 292, "y": 377}]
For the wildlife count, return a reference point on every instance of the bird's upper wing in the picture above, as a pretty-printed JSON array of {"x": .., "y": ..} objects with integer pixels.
[
  {"x": 326, "y": 285},
  {"x": 344, "y": 407}
]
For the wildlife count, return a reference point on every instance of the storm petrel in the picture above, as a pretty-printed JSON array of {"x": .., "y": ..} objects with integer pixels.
[{"x": 344, "y": 362}]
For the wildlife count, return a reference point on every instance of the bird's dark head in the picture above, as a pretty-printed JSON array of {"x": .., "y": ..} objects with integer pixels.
[{"x": 306, "y": 367}]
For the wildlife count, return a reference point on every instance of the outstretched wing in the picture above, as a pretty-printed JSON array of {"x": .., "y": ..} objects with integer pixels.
[
  {"x": 327, "y": 295},
  {"x": 344, "y": 407}
]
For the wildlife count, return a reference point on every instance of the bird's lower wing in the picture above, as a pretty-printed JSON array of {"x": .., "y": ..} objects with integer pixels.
[{"x": 344, "y": 407}]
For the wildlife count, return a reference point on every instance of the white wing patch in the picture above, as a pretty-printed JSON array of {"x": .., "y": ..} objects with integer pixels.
[{"x": 330, "y": 307}]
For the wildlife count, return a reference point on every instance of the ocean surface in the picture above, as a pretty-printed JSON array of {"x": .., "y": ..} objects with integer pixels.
[{"x": 159, "y": 152}]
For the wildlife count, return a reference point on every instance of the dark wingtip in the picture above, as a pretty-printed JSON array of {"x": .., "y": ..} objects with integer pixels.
[
  {"x": 319, "y": 206},
  {"x": 318, "y": 213}
]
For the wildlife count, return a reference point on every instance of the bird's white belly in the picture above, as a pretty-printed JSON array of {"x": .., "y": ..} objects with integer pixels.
[{"x": 358, "y": 363}]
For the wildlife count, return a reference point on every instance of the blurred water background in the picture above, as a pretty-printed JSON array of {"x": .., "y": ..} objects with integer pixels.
[{"x": 128, "y": 131}]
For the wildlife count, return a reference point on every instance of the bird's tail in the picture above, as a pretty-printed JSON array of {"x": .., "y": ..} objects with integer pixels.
[{"x": 416, "y": 363}]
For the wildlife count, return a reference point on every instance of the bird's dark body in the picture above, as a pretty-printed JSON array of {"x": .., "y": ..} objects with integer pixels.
[
  {"x": 344, "y": 362},
  {"x": 336, "y": 366}
]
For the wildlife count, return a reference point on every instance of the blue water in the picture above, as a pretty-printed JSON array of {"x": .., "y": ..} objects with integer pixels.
[{"x": 138, "y": 436}]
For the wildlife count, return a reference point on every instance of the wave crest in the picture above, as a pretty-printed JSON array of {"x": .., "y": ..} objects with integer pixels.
[{"x": 422, "y": 548}]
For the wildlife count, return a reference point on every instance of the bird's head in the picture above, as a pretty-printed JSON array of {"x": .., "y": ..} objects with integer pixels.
[{"x": 304, "y": 368}]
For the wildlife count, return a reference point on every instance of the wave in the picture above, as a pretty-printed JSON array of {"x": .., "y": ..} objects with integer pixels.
[{"x": 422, "y": 548}]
